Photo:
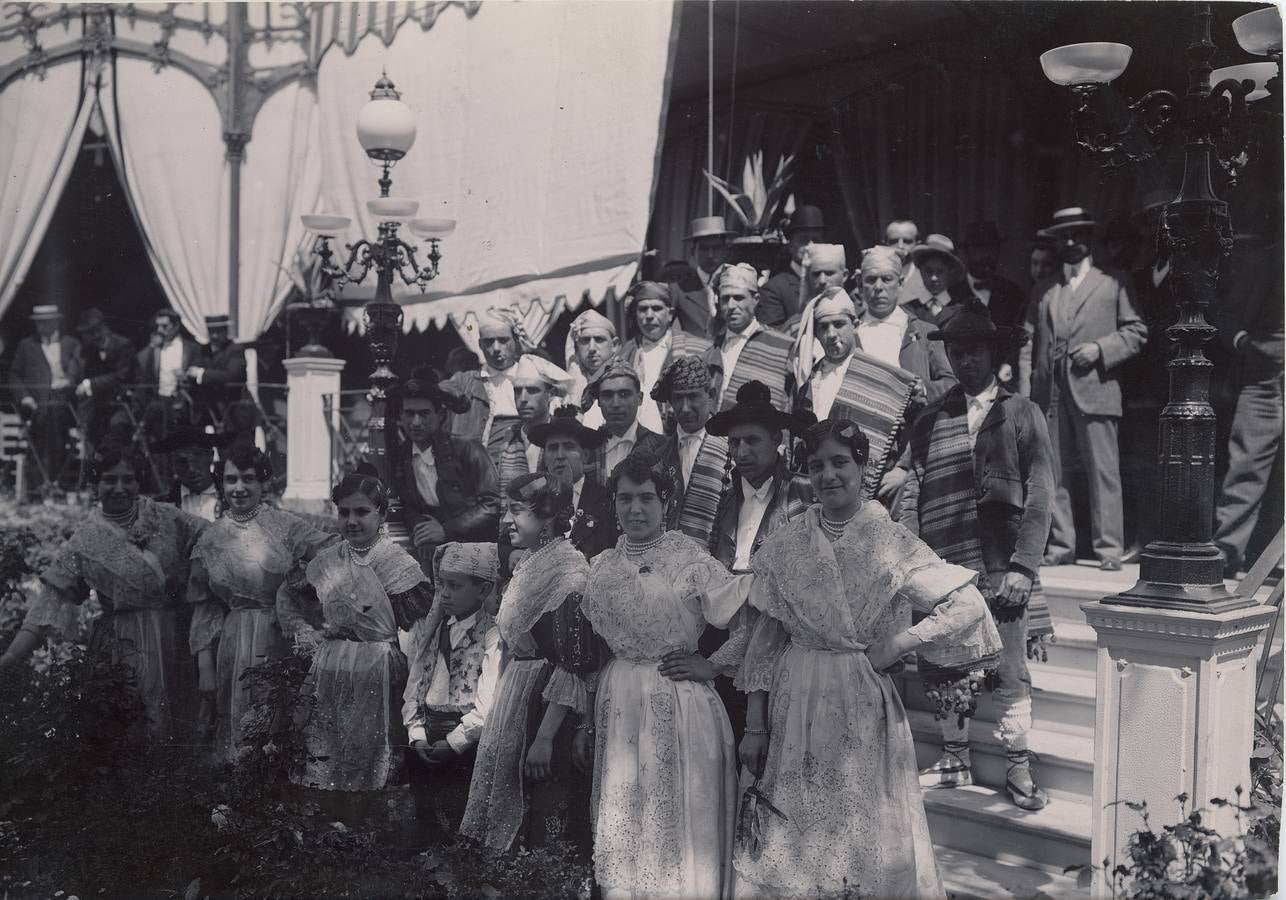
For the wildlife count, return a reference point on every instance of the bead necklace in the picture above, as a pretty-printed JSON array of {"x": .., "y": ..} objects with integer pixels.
[
  {"x": 835, "y": 529},
  {"x": 125, "y": 519},
  {"x": 638, "y": 549},
  {"x": 243, "y": 518},
  {"x": 358, "y": 554}
]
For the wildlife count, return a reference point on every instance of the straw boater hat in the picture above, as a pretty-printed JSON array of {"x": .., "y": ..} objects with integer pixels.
[
  {"x": 217, "y": 321},
  {"x": 564, "y": 422},
  {"x": 938, "y": 245},
  {"x": 968, "y": 326},
  {"x": 45, "y": 312},
  {"x": 753, "y": 406},
  {"x": 706, "y": 227},
  {"x": 1071, "y": 217}
]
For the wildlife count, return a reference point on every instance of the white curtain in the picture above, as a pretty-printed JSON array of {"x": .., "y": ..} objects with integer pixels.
[
  {"x": 42, "y": 125},
  {"x": 167, "y": 142},
  {"x": 539, "y": 125}
]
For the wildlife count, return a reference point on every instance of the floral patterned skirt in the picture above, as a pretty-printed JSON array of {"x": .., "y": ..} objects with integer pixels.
[
  {"x": 664, "y": 786},
  {"x": 841, "y": 769}
]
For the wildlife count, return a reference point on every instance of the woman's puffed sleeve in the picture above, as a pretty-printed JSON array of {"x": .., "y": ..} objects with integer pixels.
[
  {"x": 306, "y": 539},
  {"x": 411, "y": 606},
  {"x": 54, "y": 608},
  {"x": 958, "y": 630},
  {"x": 767, "y": 639},
  {"x": 578, "y": 654},
  {"x": 207, "y": 609},
  {"x": 721, "y": 601},
  {"x": 293, "y": 614}
]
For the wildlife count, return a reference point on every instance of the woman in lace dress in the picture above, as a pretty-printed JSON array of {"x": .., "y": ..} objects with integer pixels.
[
  {"x": 523, "y": 789},
  {"x": 838, "y": 799},
  {"x": 134, "y": 553},
  {"x": 369, "y": 587},
  {"x": 237, "y": 566},
  {"x": 664, "y": 763}
]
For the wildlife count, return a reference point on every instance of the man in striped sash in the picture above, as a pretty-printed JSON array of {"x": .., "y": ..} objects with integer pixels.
[
  {"x": 747, "y": 351},
  {"x": 980, "y": 494},
  {"x": 696, "y": 461}
]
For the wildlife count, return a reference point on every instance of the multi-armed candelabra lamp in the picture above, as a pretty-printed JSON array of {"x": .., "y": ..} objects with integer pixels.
[
  {"x": 1183, "y": 569},
  {"x": 386, "y": 131}
]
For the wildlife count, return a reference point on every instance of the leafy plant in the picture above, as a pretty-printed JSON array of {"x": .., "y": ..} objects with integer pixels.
[{"x": 756, "y": 203}]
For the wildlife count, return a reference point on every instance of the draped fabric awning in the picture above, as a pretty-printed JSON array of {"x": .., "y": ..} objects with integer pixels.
[{"x": 345, "y": 24}]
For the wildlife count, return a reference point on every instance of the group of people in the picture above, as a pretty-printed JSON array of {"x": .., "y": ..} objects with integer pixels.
[
  {"x": 100, "y": 385},
  {"x": 651, "y": 602}
]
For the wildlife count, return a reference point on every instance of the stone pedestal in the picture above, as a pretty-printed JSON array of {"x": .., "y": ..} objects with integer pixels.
[
  {"x": 1175, "y": 715},
  {"x": 308, "y": 443}
]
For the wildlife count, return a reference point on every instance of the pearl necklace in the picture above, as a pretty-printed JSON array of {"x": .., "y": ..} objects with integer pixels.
[
  {"x": 638, "y": 549},
  {"x": 358, "y": 554},
  {"x": 243, "y": 518},
  {"x": 125, "y": 519},
  {"x": 835, "y": 529}
]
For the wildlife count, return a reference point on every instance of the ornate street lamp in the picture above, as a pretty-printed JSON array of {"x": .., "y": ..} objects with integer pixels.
[
  {"x": 386, "y": 130},
  {"x": 1182, "y": 569}
]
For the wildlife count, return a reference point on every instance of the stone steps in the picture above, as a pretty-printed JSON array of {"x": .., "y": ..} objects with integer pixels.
[
  {"x": 967, "y": 876},
  {"x": 1062, "y": 699}
]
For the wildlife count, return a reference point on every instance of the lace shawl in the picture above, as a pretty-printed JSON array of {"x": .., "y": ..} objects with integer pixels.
[
  {"x": 347, "y": 591},
  {"x": 859, "y": 590},
  {"x": 625, "y": 606},
  {"x": 541, "y": 582},
  {"x": 142, "y": 567}
]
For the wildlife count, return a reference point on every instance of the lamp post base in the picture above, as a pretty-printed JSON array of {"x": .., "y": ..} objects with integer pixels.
[{"x": 1181, "y": 576}]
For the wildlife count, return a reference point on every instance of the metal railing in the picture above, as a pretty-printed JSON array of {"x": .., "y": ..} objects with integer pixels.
[{"x": 347, "y": 415}]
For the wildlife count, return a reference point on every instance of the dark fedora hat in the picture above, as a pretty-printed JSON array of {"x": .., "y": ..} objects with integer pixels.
[
  {"x": 976, "y": 327},
  {"x": 981, "y": 234},
  {"x": 91, "y": 318},
  {"x": 806, "y": 217},
  {"x": 190, "y": 436},
  {"x": 423, "y": 385},
  {"x": 1071, "y": 217},
  {"x": 753, "y": 406},
  {"x": 564, "y": 422}
]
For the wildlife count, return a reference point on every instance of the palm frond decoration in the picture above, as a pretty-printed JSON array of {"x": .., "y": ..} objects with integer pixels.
[{"x": 757, "y": 202}]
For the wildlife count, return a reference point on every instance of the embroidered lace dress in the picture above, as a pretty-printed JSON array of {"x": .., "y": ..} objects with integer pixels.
[
  {"x": 664, "y": 794},
  {"x": 549, "y": 650},
  {"x": 358, "y": 673},
  {"x": 140, "y": 574},
  {"x": 841, "y": 764},
  {"x": 237, "y": 568}
]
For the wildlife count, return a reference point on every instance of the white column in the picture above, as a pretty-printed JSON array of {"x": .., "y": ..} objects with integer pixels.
[
  {"x": 1174, "y": 715},
  {"x": 308, "y": 444}
]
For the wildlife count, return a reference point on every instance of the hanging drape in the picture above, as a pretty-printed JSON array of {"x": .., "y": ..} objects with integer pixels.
[
  {"x": 42, "y": 124},
  {"x": 681, "y": 186},
  {"x": 166, "y": 139},
  {"x": 539, "y": 125}
]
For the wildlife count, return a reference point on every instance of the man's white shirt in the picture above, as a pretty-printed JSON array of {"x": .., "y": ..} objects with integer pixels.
[
  {"x": 733, "y": 344},
  {"x": 171, "y": 361},
  {"x": 882, "y": 338},
  {"x": 754, "y": 505},
  {"x": 465, "y": 734},
  {"x": 828, "y": 377},
  {"x": 976, "y": 409},
  {"x": 426, "y": 474},
  {"x": 689, "y": 448},
  {"x": 618, "y": 448}
]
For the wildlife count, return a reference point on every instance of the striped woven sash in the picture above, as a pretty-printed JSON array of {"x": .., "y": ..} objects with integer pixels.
[
  {"x": 877, "y": 397},
  {"x": 701, "y": 497},
  {"x": 764, "y": 359}
]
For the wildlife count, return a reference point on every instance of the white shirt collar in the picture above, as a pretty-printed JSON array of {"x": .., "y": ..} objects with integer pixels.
[
  {"x": 987, "y": 396},
  {"x": 53, "y": 338},
  {"x": 664, "y": 339},
  {"x": 750, "y": 331},
  {"x": 467, "y": 622},
  {"x": 683, "y": 435},
  {"x": 760, "y": 493},
  {"x": 898, "y": 317},
  {"x": 490, "y": 371},
  {"x": 426, "y": 454},
  {"x": 631, "y": 435},
  {"x": 188, "y": 492},
  {"x": 1071, "y": 272}
]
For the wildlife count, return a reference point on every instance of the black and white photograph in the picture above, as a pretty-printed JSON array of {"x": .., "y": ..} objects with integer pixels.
[{"x": 641, "y": 449}]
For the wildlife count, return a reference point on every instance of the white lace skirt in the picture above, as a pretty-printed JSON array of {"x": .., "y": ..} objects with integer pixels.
[
  {"x": 249, "y": 638},
  {"x": 664, "y": 786},
  {"x": 841, "y": 769},
  {"x": 356, "y": 725}
]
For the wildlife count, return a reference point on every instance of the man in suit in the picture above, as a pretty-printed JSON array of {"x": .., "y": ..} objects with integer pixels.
[
  {"x": 979, "y": 495},
  {"x": 692, "y": 308},
  {"x": 449, "y": 487},
  {"x": 659, "y": 338},
  {"x": 748, "y": 351},
  {"x": 1042, "y": 260},
  {"x": 1084, "y": 325},
  {"x": 618, "y": 392},
  {"x": 708, "y": 239},
  {"x": 695, "y": 460},
  {"x": 191, "y": 454},
  {"x": 109, "y": 366},
  {"x": 901, "y": 235},
  {"x": 780, "y": 296},
  {"x": 218, "y": 378},
  {"x": 1253, "y": 330},
  {"x": 161, "y": 369},
  {"x": 568, "y": 446},
  {"x": 45, "y": 367},
  {"x": 1005, "y": 301},
  {"x": 491, "y": 411},
  {"x": 946, "y": 290}
]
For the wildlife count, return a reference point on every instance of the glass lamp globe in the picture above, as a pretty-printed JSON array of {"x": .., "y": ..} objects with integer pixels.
[
  {"x": 1259, "y": 32},
  {"x": 1098, "y": 62},
  {"x": 1259, "y": 73},
  {"x": 386, "y": 125}
]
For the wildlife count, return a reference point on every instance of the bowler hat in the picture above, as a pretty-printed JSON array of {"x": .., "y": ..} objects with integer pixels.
[
  {"x": 708, "y": 226},
  {"x": 981, "y": 234},
  {"x": 1071, "y": 217},
  {"x": 45, "y": 312},
  {"x": 564, "y": 422},
  {"x": 937, "y": 245},
  {"x": 971, "y": 326},
  {"x": 806, "y": 217},
  {"x": 753, "y": 406}
]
